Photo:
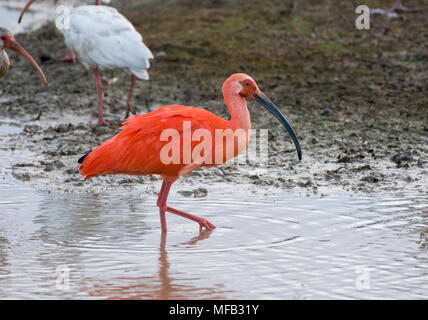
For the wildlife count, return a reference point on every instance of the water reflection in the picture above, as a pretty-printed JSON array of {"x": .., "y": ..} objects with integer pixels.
[
  {"x": 163, "y": 286},
  {"x": 267, "y": 247}
]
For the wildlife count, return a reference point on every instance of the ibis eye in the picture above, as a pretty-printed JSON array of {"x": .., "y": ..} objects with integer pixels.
[
  {"x": 3, "y": 38},
  {"x": 247, "y": 84}
]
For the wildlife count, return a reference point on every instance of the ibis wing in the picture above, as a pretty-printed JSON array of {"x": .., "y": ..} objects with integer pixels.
[
  {"x": 102, "y": 37},
  {"x": 137, "y": 148}
]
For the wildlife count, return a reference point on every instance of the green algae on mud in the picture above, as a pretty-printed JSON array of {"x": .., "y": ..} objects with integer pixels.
[{"x": 356, "y": 99}]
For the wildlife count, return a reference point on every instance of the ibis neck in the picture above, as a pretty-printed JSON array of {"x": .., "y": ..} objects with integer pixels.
[
  {"x": 4, "y": 63},
  {"x": 239, "y": 115}
]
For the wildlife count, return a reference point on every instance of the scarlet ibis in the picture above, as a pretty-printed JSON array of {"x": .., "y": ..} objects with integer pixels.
[
  {"x": 140, "y": 148},
  {"x": 7, "y": 41},
  {"x": 102, "y": 38}
]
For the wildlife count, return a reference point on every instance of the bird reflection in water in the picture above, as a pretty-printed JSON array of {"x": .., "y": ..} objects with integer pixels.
[{"x": 161, "y": 287}]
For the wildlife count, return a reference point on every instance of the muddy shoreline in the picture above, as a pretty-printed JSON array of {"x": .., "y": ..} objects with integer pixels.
[{"x": 356, "y": 99}]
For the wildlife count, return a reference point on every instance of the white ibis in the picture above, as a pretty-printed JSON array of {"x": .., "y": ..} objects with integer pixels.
[
  {"x": 102, "y": 38},
  {"x": 70, "y": 56},
  {"x": 7, "y": 41}
]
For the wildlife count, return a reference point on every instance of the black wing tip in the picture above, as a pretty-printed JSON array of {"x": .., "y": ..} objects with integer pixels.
[{"x": 83, "y": 158}]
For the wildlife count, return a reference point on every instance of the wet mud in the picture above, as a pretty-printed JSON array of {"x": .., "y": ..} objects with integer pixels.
[{"x": 357, "y": 99}]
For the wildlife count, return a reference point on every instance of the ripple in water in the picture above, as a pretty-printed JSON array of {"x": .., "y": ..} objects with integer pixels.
[{"x": 277, "y": 247}]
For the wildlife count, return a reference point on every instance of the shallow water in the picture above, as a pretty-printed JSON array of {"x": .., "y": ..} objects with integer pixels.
[{"x": 282, "y": 246}]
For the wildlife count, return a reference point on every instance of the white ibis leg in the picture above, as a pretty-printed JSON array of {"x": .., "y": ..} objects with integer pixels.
[
  {"x": 129, "y": 103},
  {"x": 101, "y": 121},
  {"x": 98, "y": 2},
  {"x": 70, "y": 56}
]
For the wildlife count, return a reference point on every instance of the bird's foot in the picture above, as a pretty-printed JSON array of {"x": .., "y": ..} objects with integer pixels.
[
  {"x": 69, "y": 57},
  {"x": 203, "y": 223},
  {"x": 102, "y": 122}
]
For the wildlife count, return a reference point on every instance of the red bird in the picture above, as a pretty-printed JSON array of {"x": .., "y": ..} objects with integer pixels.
[{"x": 144, "y": 147}]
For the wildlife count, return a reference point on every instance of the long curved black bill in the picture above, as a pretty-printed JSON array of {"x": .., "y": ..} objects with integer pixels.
[{"x": 265, "y": 102}]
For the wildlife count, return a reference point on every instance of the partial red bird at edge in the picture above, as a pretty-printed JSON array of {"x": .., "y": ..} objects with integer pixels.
[{"x": 136, "y": 149}]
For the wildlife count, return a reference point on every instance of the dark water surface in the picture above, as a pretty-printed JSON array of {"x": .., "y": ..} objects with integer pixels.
[{"x": 280, "y": 246}]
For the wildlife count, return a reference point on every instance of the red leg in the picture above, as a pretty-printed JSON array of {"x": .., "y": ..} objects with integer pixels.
[
  {"x": 161, "y": 203},
  {"x": 101, "y": 121},
  {"x": 203, "y": 223},
  {"x": 162, "y": 199},
  {"x": 160, "y": 193},
  {"x": 98, "y": 3},
  {"x": 129, "y": 104},
  {"x": 69, "y": 57}
]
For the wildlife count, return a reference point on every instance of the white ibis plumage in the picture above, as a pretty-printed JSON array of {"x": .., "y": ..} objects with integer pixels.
[
  {"x": 102, "y": 38},
  {"x": 70, "y": 56},
  {"x": 7, "y": 41}
]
